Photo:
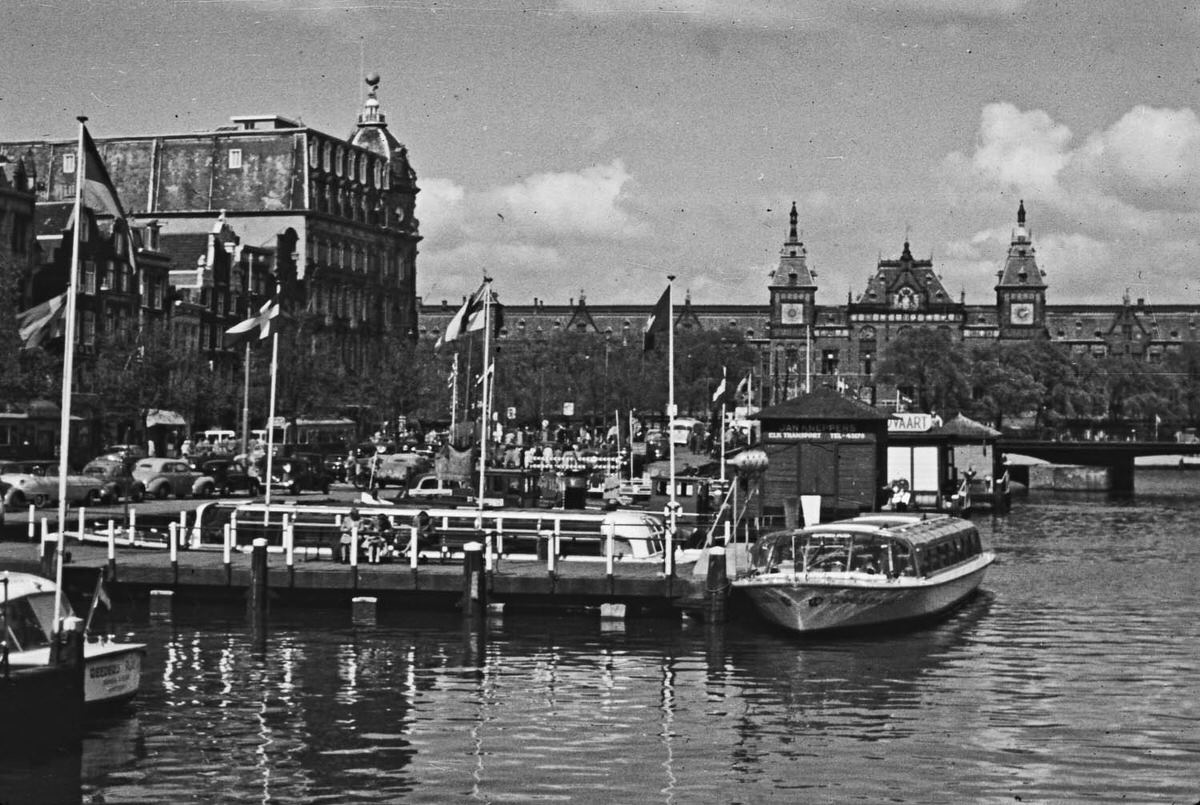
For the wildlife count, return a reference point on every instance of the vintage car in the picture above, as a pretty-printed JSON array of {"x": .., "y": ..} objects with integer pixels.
[
  {"x": 36, "y": 482},
  {"x": 163, "y": 477},
  {"x": 116, "y": 479},
  {"x": 427, "y": 487},
  {"x": 398, "y": 469},
  {"x": 229, "y": 475}
]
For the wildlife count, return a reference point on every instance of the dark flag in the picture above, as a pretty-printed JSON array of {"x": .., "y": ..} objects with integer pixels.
[{"x": 659, "y": 321}]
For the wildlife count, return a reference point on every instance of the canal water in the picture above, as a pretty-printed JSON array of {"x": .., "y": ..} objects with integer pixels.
[{"x": 1074, "y": 676}]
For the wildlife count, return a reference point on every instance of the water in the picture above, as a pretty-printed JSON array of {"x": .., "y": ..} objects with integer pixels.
[{"x": 1073, "y": 677}]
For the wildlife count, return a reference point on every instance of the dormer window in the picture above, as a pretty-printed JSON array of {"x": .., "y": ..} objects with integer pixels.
[
  {"x": 235, "y": 158},
  {"x": 68, "y": 163}
]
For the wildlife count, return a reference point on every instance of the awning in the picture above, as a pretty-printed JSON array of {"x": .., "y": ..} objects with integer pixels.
[{"x": 158, "y": 416}]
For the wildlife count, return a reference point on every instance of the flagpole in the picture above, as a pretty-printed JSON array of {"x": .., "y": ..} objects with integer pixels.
[
  {"x": 721, "y": 435},
  {"x": 64, "y": 436},
  {"x": 246, "y": 368},
  {"x": 271, "y": 414},
  {"x": 673, "y": 517},
  {"x": 486, "y": 414},
  {"x": 453, "y": 394}
]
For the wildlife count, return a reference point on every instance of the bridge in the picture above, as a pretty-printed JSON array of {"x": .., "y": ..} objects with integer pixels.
[{"x": 1116, "y": 456}]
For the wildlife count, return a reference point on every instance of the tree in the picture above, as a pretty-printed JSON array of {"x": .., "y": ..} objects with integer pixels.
[{"x": 930, "y": 363}]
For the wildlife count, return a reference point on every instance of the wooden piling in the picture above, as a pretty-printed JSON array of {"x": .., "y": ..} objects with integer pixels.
[
  {"x": 257, "y": 598},
  {"x": 717, "y": 585},
  {"x": 474, "y": 598}
]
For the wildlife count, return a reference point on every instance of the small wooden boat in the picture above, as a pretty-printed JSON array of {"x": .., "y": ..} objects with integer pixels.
[
  {"x": 866, "y": 571},
  {"x": 112, "y": 670}
]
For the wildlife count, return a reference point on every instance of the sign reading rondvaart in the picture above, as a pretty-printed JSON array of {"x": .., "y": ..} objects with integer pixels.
[{"x": 910, "y": 423}]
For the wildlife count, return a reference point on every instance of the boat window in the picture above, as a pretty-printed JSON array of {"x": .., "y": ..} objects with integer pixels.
[{"x": 23, "y": 630}]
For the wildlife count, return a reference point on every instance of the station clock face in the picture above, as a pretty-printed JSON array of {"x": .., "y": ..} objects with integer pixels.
[
  {"x": 1021, "y": 313},
  {"x": 792, "y": 313}
]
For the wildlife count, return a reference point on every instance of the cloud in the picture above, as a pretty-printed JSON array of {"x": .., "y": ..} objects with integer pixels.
[{"x": 774, "y": 12}]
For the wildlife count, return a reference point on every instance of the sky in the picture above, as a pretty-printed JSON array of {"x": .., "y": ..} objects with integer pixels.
[{"x": 595, "y": 147}]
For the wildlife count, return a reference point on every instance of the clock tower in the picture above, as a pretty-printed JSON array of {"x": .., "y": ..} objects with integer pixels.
[
  {"x": 1021, "y": 290},
  {"x": 793, "y": 290}
]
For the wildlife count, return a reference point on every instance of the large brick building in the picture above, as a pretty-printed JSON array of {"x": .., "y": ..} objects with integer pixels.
[
  {"x": 802, "y": 342},
  {"x": 338, "y": 214}
]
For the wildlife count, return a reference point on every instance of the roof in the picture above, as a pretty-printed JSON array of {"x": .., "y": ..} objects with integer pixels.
[
  {"x": 822, "y": 404},
  {"x": 965, "y": 429}
]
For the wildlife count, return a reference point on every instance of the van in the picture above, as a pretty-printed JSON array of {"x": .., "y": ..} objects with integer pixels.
[{"x": 682, "y": 429}]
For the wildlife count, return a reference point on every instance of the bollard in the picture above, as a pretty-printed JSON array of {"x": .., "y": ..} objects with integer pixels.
[
  {"x": 727, "y": 526},
  {"x": 45, "y": 531},
  {"x": 487, "y": 553},
  {"x": 716, "y": 586},
  {"x": 551, "y": 550},
  {"x": 363, "y": 609},
  {"x": 132, "y": 535},
  {"x": 48, "y": 565},
  {"x": 474, "y": 599},
  {"x": 161, "y": 602},
  {"x": 289, "y": 541},
  {"x": 183, "y": 529},
  {"x": 610, "y": 535},
  {"x": 30, "y": 532},
  {"x": 412, "y": 547},
  {"x": 233, "y": 529},
  {"x": 257, "y": 598},
  {"x": 227, "y": 546},
  {"x": 78, "y": 524},
  {"x": 354, "y": 543},
  {"x": 112, "y": 550},
  {"x": 173, "y": 542}
]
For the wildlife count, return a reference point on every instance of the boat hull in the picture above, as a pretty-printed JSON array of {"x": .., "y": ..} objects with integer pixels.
[
  {"x": 112, "y": 672},
  {"x": 818, "y": 602}
]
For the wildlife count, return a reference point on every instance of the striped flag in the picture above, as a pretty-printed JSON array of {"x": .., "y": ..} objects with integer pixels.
[
  {"x": 659, "y": 321},
  {"x": 469, "y": 318},
  {"x": 244, "y": 330},
  {"x": 98, "y": 192},
  {"x": 42, "y": 321},
  {"x": 720, "y": 392},
  {"x": 743, "y": 386}
]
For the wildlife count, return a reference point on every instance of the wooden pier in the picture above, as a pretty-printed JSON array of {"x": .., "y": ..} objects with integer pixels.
[{"x": 204, "y": 575}]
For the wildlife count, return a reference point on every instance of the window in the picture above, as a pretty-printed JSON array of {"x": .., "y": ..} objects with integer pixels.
[
  {"x": 87, "y": 327},
  {"x": 235, "y": 158},
  {"x": 68, "y": 163},
  {"x": 106, "y": 279},
  {"x": 89, "y": 277},
  {"x": 829, "y": 362}
]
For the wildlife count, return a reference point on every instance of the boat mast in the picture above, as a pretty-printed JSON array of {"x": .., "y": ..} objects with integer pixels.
[{"x": 64, "y": 434}]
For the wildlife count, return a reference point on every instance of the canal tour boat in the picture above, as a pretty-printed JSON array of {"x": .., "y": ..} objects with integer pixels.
[
  {"x": 515, "y": 533},
  {"x": 112, "y": 672},
  {"x": 867, "y": 571}
]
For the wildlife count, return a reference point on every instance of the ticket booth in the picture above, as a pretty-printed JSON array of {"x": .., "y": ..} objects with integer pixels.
[
  {"x": 825, "y": 445},
  {"x": 946, "y": 466}
]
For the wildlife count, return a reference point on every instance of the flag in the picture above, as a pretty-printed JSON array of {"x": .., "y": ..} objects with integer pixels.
[
  {"x": 659, "y": 321},
  {"x": 42, "y": 321},
  {"x": 468, "y": 318},
  {"x": 244, "y": 330},
  {"x": 720, "y": 392},
  {"x": 101, "y": 594},
  {"x": 743, "y": 386},
  {"x": 453, "y": 378},
  {"x": 487, "y": 373},
  {"x": 98, "y": 192}
]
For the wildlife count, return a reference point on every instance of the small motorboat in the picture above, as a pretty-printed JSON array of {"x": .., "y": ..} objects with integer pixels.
[
  {"x": 112, "y": 671},
  {"x": 867, "y": 571}
]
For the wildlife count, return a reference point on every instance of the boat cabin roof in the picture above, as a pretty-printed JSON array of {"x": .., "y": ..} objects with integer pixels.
[
  {"x": 915, "y": 529},
  {"x": 21, "y": 585}
]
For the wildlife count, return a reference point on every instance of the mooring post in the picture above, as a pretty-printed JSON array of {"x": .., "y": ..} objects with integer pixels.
[
  {"x": 412, "y": 548},
  {"x": 551, "y": 550},
  {"x": 717, "y": 585},
  {"x": 49, "y": 546},
  {"x": 173, "y": 538},
  {"x": 78, "y": 524},
  {"x": 474, "y": 600},
  {"x": 227, "y": 551},
  {"x": 131, "y": 534},
  {"x": 31, "y": 530},
  {"x": 45, "y": 532},
  {"x": 610, "y": 534},
  {"x": 183, "y": 529},
  {"x": 112, "y": 550},
  {"x": 257, "y": 600}
]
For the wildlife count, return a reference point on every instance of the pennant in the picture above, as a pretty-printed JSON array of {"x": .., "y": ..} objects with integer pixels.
[
  {"x": 743, "y": 386},
  {"x": 720, "y": 392},
  {"x": 42, "y": 321},
  {"x": 659, "y": 321},
  {"x": 453, "y": 378},
  {"x": 486, "y": 374},
  {"x": 98, "y": 191},
  {"x": 244, "y": 330},
  {"x": 468, "y": 318}
]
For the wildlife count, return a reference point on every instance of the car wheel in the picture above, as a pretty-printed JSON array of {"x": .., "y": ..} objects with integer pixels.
[
  {"x": 94, "y": 497},
  {"x": 41, "y": 501},
  {"x": 162, "y": 492},
  {"x": 137, "y": 494},
  {"x": 15, "y": 500}
]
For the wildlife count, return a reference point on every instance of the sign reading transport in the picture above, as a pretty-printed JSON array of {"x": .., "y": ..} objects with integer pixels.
[{"x": 798, "y": 432}]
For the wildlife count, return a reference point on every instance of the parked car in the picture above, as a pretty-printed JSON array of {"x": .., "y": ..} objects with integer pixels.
[
  {"x": 229, "y": 475},
  {"x": 298, "y": 473},
  {"x": 163, "y": 477},
  {"x": 130, "y": 452},
  {"x": 36, "y": 482},
  {"x": 657, "y": 448},
  {"x": 399, "y": 469},
  {"x": 431, "y": 486},
  {"x": 116, "y": 479}
]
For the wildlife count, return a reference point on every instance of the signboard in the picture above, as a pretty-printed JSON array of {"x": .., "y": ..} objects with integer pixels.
[
  {"x": 797, "y": 432},
  {"x": 568, "y": 409},
  {"x": 909, "y": 423},
  {"x": 511, "y": 413}
]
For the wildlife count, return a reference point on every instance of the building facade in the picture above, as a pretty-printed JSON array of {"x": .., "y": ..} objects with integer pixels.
[
  {"x": 338, "y": 212},
  {"x": 803, "y": 343}
]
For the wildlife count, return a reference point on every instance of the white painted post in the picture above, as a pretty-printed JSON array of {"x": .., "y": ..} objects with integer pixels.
[
  {"x": 487, "y": 552},
  {"x": 132, "y": 535},
  {"x": 610, "y": 547},
  {"x": 173, "y": 536},
  {"x": 412, "y": 547},
  {"x": 183, "y": 529},
  {"x": 78, "y": 525},
  {"x": 45, "y": 535},
  {"x": 227, "y": 547},
  {"x": 233, "y": 527},
  {"x": 551, "y": 550},
  {"x": 112, "y": 541},
  {"x": 32, "y": 521},
  {"x": 727, "y": 525},
  {"x": 353, "y": 543},
  {"x": 289, "y": 544}
]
